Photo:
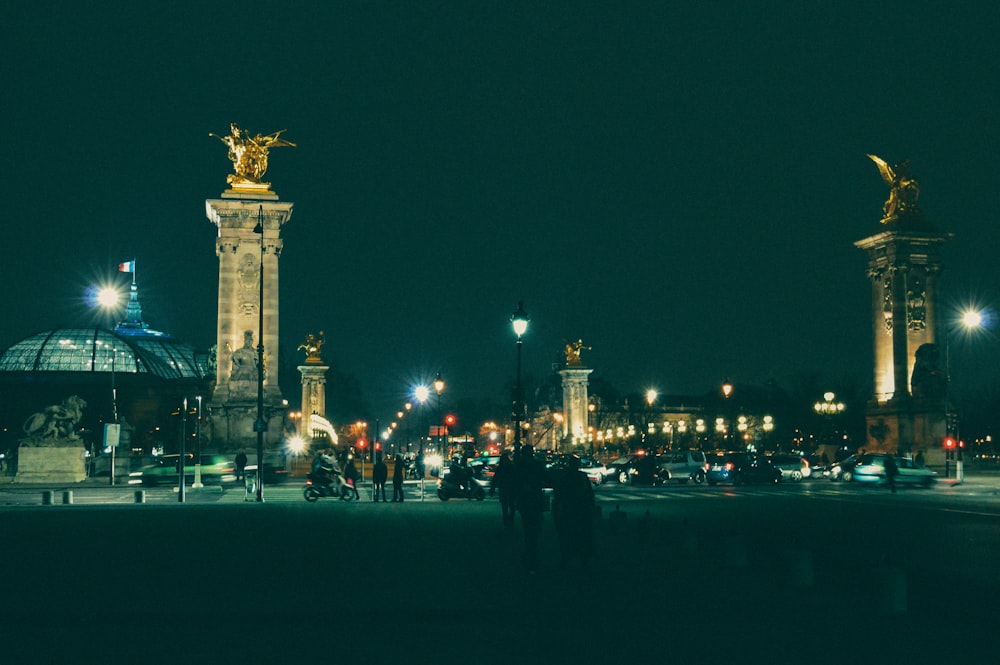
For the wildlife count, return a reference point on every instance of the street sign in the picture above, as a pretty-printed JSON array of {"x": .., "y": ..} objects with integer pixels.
[{"x": 112, "y": 433}]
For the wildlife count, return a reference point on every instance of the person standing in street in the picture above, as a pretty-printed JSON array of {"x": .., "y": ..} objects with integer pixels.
[
  {"x": 505, "y": 482},
  {"x": 352, "y": 476},
  {"x": 530, "y": 503},
  {"x": 379, "y": 475},
  {"x": 573, "y": 514},
  {"x": 397, "y": 480},
  {"x": 240, "y": 464},
  {"x": 891, "y": 471}
]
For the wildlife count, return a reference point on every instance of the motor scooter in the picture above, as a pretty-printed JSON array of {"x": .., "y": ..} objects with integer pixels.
[{"x": 333, "y": 485}]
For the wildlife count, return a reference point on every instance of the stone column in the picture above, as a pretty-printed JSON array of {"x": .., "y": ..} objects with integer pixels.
[
  {"x": 903, "y": 264},
  {"x": 242, "y": 253},
  {"x": 313, "y": 390},
  {"x": 575, "y": 401}
]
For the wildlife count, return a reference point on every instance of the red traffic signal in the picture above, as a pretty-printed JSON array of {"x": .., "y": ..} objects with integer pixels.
[
  {"x": 362, "y": 443},
  {"x": 378, "y": 445},
  {"x": 949, "y": 442},
  {"x": 450, "y": 420}
]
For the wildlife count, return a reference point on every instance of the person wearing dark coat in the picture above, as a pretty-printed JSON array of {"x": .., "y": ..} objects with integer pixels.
[
  {"x": 379, "y": 474},
  {"x": 891, "y": 471},
  {"x": 530, "y": 503},
  {"x": 352, "y": 476},
  {"x": 505, "y": 483},
  {"x": 573, "y": 514},
  {"x": 397, "y": 480}
]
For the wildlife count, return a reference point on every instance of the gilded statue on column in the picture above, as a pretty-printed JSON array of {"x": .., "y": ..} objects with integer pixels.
[
  {"x": 573, "y": 350},
  {"x": 249, "y": 154},
  {"x": 312, "y": 346},
  {"x": 903, "y": 190}
]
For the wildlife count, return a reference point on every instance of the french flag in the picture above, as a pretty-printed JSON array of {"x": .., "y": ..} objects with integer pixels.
[{"x": 128, "y": 266}]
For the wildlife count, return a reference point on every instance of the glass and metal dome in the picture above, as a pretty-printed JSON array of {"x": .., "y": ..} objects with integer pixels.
[{"x": 97, "y": 350}]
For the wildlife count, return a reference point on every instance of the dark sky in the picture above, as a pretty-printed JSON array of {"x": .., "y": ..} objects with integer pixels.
[{"x": 678, "y": 184}]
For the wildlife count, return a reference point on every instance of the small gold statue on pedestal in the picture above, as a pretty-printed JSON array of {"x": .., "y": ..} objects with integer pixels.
[
  {"x": 573, "y": 350},
  {"x": 249, "y": 155},
  {"x": 312, "y": 346}
]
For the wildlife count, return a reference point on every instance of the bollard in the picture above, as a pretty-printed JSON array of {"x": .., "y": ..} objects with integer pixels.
[
  {"x": 46, "y": 497},
  {"x": 140, "y": 496},
  {"x": 67, "y": 497}
]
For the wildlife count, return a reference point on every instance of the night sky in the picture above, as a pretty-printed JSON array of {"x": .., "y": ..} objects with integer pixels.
[{"x": 677, "y": 184}]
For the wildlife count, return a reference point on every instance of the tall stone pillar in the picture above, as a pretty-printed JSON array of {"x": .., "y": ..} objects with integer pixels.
[
  {"x": 575, "y": 401},
  {"x": 313, "y": 389},
  {"x": 907, "y": 411},
  {"x": 249, "y": 222}
]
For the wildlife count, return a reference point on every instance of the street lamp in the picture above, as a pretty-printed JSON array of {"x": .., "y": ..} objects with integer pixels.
[
  {"x": 727, "y": 390},
  {"x": 650, "y": 400},
  {"x": 197, "y": 446},
  {"x": 971, "y": 320},
  {"x": 519, "y": 321},
  {"x": 109, "y": 299},
  {"x": 439, "y": 388},
  {"x": 421, "y": 393},
  {"x": 260, "y": 425}
]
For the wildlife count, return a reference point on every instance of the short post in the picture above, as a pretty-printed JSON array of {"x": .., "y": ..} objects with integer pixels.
[
  {"x": 46, "y": 497},
  {"x": 140, "y": 496},
  {"x": 67, "y": 497}
]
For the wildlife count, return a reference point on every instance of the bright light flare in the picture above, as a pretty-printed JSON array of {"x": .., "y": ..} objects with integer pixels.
[
  {"x": 972, "y": 319},
  {"x": 296, "y": 445},
  {"x": 421, "y": 393}
]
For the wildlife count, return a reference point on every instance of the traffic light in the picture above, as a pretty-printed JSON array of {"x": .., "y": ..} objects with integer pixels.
[
  {"x": 450, "y": 420},
  {"x": 362, "y": 443},
  {"x": 378, "y": 445},
  {"x": 949, "y": 443}
]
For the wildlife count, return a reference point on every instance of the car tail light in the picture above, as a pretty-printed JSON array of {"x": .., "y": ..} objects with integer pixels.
[{"x": 730, "y": 466}]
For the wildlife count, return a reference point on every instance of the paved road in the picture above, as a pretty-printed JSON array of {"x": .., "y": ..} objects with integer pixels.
[{"x": 798, "y": 573}]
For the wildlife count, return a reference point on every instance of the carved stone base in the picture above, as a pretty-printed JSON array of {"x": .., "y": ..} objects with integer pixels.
[{"x": 50, "y": 464}]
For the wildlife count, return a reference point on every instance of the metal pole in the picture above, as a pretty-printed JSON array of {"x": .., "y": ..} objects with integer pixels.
[
  {"x": 114, "y": 409},
  {"x": 260, "y": 425},
  {"x": 197, "y": 446},
  {"x": 517, "y": 401},
  {"x": 180, "y": 458}
]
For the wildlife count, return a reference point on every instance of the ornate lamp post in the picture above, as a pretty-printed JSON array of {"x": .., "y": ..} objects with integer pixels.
[
  {"x": 519, "y": 321},
  {"x": 260, "y": 425},
  {"x": 439, "y": 388},
  {"x": 971, "y": 320},
  {"x": 727, "y": 390}
]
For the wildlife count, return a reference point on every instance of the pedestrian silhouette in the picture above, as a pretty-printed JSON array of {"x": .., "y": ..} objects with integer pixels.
[
  {"x": 573, "y": 514},
  {"x": 240, "y": 464},
  {"x": 891, "y": 471},
  {"x": 530, "y": 503},
  {"x": 379, "y": 474},
  {"x": 351, "y": 475},
  {"x": 505, "y": 483},
  {"x": 397, "y": 480}
]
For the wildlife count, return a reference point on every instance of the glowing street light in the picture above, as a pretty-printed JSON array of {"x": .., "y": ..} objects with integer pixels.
[{"x": 519, "y": 321}]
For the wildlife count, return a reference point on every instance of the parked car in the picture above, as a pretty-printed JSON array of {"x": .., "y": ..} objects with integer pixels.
[
  {"x": 792, "y": 466},
  {"x": 594, "y": 470},
  {"x": 164, "y": 470},
  {"x": 634, "y": 470},
  {"x": 871, "y": 469},
  {"x": 683, "y": 465},
  {"x": 738, "y": 468}
]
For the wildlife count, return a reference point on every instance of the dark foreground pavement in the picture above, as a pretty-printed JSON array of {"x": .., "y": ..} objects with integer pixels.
[{"x": 436, "y": 582}]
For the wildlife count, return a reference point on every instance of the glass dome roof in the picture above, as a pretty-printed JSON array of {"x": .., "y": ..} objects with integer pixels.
[{"x": 98, "y": 350}]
